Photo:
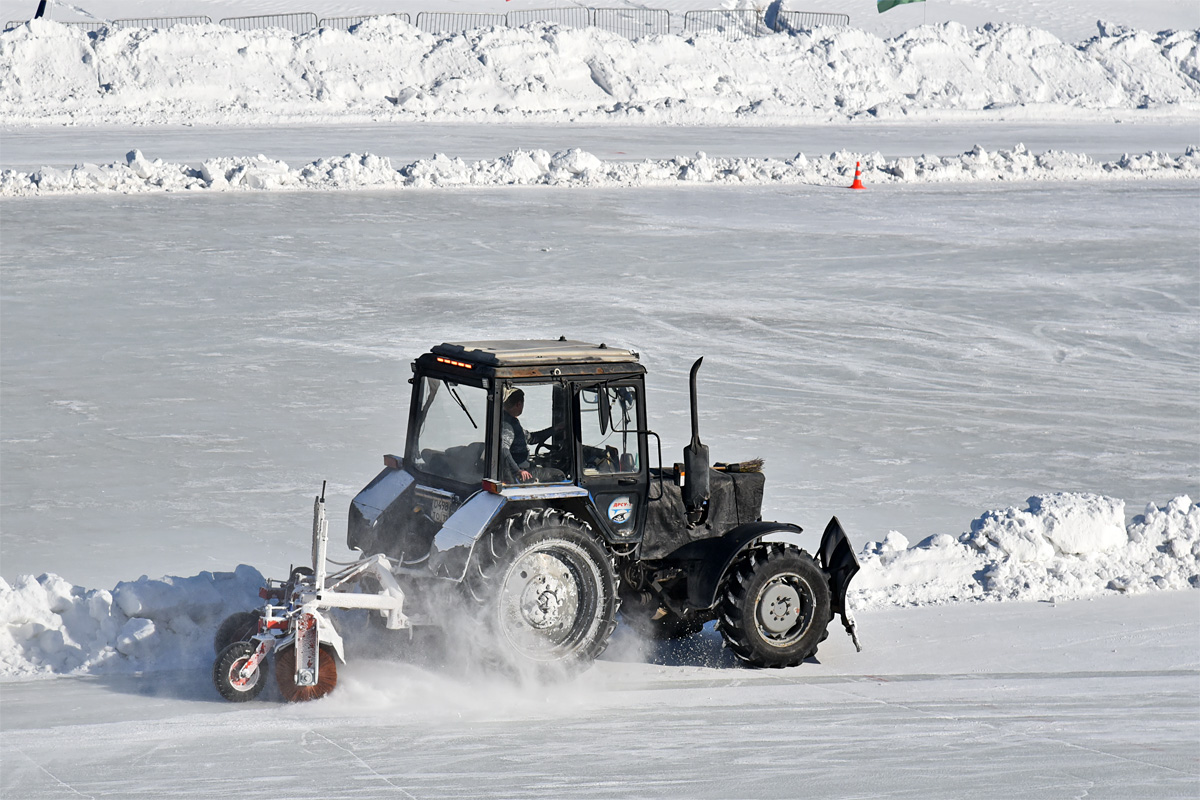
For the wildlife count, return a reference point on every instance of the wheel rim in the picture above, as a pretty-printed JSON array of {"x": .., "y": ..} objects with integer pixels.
[
  {"x": 784, "y": 609},
  {"x": 547, "y": 600},
  {"x": 235, "y": 668}
]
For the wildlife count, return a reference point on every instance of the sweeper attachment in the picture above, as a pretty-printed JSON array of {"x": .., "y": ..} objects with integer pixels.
[
  {"x": 528, "y": 514},
  {"x": 295, "y": 625}
]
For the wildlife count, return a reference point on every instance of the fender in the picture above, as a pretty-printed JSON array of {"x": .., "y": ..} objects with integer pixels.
[
  {"x": 711, "y": 558},
  {"x": 453, "y": 544}
]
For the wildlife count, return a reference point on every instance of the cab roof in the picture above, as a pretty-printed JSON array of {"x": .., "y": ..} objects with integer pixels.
[
  {"x": 534, "y": 352},
  {"x": 536, "y": 359}
]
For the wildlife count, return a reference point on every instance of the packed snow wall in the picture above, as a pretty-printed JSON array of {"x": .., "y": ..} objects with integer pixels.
[{"x": 386, "y": 69}]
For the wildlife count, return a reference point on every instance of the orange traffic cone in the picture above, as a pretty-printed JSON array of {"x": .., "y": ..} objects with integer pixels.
[{"x": 858, "y": 184}]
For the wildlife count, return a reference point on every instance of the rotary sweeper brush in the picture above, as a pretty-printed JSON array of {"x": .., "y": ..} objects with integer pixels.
[{"x": 530, "y": 503}]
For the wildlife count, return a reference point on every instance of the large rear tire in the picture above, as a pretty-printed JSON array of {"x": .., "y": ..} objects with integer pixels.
[
  {"x": 225, "y": 673},
  {"x": 285, "y": 674},
  {"x": 774, "y": 606},
  {"x": 545, "y": 589}
]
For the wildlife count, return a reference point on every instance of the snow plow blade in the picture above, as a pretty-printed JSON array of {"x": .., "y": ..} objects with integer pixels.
[{"x": 841, "y": 565}]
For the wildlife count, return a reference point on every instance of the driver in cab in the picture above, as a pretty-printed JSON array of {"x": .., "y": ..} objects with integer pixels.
[
  {"x": 515, "y": 440},
  {"x": 514, "y": 446}
]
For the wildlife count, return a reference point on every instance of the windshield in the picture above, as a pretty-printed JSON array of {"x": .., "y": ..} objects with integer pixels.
[{"x": 451, "y": 427}]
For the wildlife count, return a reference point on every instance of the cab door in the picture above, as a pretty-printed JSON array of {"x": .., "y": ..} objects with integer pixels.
[{"x": 611, "y": 453}]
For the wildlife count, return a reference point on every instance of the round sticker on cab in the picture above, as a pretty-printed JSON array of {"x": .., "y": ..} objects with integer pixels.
[{"x": 620, "y": 510}]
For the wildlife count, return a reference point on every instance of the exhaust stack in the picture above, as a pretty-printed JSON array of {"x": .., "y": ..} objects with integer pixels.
[{"x": 695, "y": 462}]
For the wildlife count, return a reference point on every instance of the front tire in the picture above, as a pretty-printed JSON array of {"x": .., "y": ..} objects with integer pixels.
[
  {"x": 774, "y": 606},
  {"x": 546, "y": 590},
  {"x": 226, "y": 669}
]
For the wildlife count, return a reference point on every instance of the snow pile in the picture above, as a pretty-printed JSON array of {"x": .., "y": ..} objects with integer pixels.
[
  {"x": 579, "y": 168},
  {"x": 49, "y": 626},
  {"x": 386, "y": 69},
  {"x": 1062, "y": 547}
]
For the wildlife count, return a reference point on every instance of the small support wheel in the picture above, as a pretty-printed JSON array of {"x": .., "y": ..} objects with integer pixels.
[
  {"x": 285, "y": 675},
  {"x": 227, "y": 669},
  {"x": 774, "y": 606}
]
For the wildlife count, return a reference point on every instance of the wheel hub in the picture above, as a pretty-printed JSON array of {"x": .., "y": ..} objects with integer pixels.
[
  {"x": 541, "y": 596},
  {"x": 542, "y": 601},
  {"x": 780, "y": 608}
]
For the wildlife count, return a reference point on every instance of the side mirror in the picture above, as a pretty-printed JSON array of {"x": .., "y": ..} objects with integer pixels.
[{"x": 605, "y": 410}]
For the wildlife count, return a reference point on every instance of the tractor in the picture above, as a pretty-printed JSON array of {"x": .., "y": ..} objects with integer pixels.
[{"x": 532, "y": 498}]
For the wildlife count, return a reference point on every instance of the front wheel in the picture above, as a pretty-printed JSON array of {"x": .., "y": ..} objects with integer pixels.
[
  {"x": 227, "y": 673},
  {"x": 774, "y": 606},
  {"x": 547, "y": 590}
]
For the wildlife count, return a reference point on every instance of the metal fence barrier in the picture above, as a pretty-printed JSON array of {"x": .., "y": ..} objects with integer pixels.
[
  {"x": 302, "y": 22},
  {"x": 576, "y": 17},
  {"x": 631, "y": 23},
  {"x": 160, "y": 22},
  {"x": 734, "y": 23},
  {"x": 796, "y": 20},
  {"x": 346, "y": 23},
  {"x": 452, "y": 22}
]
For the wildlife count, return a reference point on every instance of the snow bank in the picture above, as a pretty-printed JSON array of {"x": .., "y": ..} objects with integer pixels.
[
  {"x": 386, "y": 69},
  {"x": 49, "y": 626},
  {"x": 1062, "y": 547},
  {"x": 578, "y": 168}
]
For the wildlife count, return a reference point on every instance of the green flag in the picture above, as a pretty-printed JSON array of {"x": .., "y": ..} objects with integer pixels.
[{"x": 884, "y": 5}]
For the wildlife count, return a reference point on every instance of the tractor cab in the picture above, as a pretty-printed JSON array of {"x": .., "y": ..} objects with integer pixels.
[
  {"x": 554, "y": 421},
  {"x": 534, "y": 418}
]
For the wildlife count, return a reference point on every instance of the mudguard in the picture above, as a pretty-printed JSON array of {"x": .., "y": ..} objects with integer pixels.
[
  {"x": 711, "y": 558},
  {"x": 453, "y": 544}
]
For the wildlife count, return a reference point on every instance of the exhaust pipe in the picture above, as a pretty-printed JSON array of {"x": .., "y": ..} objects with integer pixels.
[{"x": 695, "y": 462}]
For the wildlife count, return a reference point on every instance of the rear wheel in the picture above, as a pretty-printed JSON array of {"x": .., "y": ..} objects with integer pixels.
[
  {"x": 774, "y": 606},
  {"x": 227, "y": 669},
  {"x": 546, "y": 590},
  {"x": 285, "y": 674}
]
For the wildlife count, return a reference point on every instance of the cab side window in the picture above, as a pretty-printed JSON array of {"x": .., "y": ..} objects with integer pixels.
[{"x": 608, "y": 429}]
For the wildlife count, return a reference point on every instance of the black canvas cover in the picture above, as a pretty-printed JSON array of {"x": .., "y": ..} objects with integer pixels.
[{"x": 734, "y": 499}]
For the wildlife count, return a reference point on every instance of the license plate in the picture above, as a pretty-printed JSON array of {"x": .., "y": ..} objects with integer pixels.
[{"x": 441, "y": 509}]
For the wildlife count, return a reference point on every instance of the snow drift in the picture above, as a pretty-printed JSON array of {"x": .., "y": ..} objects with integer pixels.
[
  {"x": 579, "y": 168},
  {"x": 1062, "y": 546},
  {"x": 386, "y": 69}
]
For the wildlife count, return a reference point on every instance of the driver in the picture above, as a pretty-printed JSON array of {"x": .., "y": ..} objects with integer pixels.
[
  {"x": 514, "y": 447},
  {"x": 515, "y": 441}
]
